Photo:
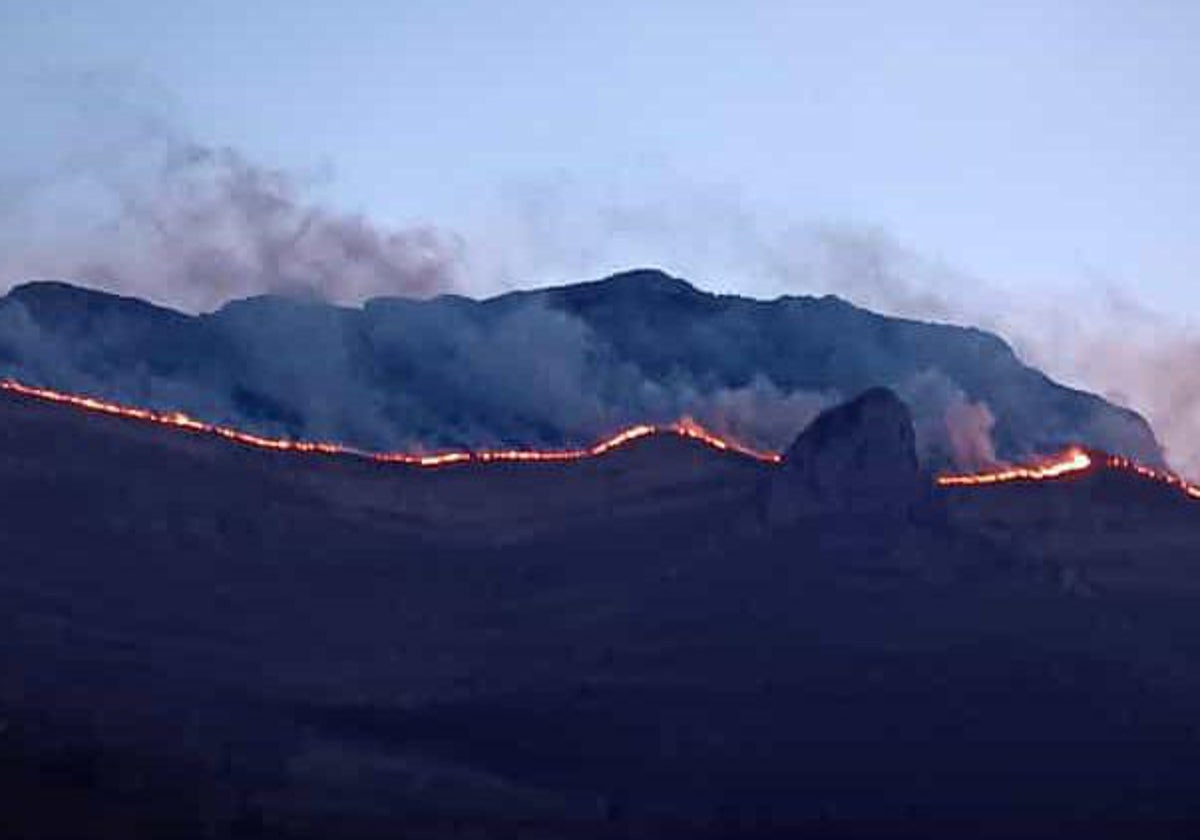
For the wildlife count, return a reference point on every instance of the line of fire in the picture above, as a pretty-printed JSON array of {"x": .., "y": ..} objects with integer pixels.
[
  {"x": 686, "y": 428},
  {"x": 1072, "y": 462}
]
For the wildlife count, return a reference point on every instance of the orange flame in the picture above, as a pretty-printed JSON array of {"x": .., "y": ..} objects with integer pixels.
[
  {"x": 1073, "y": 461},
  {"x": 1117, "y": 462},
  {"x": 685, "y": 427}
]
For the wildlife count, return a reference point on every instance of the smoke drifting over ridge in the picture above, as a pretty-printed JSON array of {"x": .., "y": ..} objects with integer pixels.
[
  {"x": 217, "y": 227},
  {"x": 141, "y": 208},
  {"x": 131, "y": 203},
  {"x": 548, "y": 368},
  {"x": 1137, "y": 357},
  {"x": 1094, "y": 336},
  {"x": 1088, "y": 336}
]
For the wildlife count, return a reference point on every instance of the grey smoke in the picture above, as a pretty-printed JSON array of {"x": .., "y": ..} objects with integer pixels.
[
  {"x": 951, "y": 428},
  {"x": 1090, "y": 337},
  {"x": 760, "y": 413},
  {"x": 1097, "y": 337},
  {"x": 1136, "y": 356},
  {"x": 130, "y": 202},
  {"x": 393, "y": 375},
  {"x": 217, "y": 227}
]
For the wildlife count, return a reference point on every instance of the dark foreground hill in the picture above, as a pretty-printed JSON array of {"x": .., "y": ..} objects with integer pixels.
[
  {"x": 552, "y": 366},
  {"x": 202, "y": 640}
]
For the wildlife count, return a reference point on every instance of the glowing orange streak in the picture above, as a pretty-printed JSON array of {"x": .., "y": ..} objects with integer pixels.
[
  {"x": 1071, "y": 462},
  {"x": 1117, "y": 462},
  {"x": 683, "y": 428},
  {"x": 1074, "y": 460}
]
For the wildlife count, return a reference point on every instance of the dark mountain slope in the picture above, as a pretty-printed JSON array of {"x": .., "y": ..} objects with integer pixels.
[
  {"x": 204, "y": 640},
  {"x": 552, "y": 366}
]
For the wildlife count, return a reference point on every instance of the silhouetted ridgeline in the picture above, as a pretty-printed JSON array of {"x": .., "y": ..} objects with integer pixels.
[{"x": 553, "y": 366}]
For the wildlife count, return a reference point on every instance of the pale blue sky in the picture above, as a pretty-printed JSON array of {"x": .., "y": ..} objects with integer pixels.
[{"x": 1030, "y": 144}]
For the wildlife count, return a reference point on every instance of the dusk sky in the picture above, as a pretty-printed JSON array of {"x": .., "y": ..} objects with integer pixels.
[
  {"x": 1016, "y": 165},
  {"x": 1026, "y": 143}
]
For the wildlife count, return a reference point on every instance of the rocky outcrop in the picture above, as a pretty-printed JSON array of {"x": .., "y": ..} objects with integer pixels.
[{"x": 859, "y": 458}]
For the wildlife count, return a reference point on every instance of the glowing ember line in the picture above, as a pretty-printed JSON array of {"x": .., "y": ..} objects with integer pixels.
[
  {"x": 1073, "y": 461},
  {"x": 686, "y": 428},
  {"x": 1117, "y": 462}
]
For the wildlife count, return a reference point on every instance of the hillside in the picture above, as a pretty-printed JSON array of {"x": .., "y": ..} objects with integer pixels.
[
  {"x": 201, "y": 637},
  {"x": 554, "y": 366}
]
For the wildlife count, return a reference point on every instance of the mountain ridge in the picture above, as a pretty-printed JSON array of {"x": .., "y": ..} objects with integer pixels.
[{"x": 558, "y": 365}]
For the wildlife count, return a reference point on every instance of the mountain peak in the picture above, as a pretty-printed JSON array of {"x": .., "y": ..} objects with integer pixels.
[
  {"x": 648, "y": 279},
  {"x": 636, "y": 283}
]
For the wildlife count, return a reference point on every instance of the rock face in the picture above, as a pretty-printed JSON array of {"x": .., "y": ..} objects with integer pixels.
[{"x": 859, "y": 458}]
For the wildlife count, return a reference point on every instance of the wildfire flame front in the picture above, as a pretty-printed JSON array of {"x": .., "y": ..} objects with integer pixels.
[
  {"x": 685, "y": 427},
  {"x": 1072, "y": 462}
]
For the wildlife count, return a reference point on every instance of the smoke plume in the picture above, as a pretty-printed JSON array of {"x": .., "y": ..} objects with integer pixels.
[
  {"x": 1090, "y": 337},
  {"x": 132, "y": 202},
  {"x": 129, "y": 202}
]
